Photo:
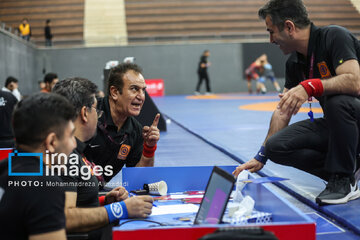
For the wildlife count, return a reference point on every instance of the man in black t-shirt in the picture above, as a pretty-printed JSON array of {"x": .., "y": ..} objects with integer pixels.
[
  {"x": 324, "y": 63},
  {"x": 202, "y": 73},
  {"x": 85, "y": 210},
  {"x": 32, "y": 202},
  {"x": 120, "y": 139},
  {"x": 7, "y": 104}
]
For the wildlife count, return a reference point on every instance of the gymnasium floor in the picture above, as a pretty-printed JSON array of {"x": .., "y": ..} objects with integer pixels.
[{"x": 227, "y": 129}]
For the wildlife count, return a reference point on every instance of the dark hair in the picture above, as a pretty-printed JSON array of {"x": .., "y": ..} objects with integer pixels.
[
  {"x": 9, "y": 80},
  {"x": 49, "y": 77},
  {"x": 48, "y": 21},
  {"x": 79, "y": 91},
  {"x": 117, "y": 73},
  {"x": 38, "y": 115},
  {"x": 281, "y": 10}
]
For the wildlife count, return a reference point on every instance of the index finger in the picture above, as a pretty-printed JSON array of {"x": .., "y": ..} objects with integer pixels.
[
  {"x": 238, "y": 170},
  {"x": 147, "y": 198},
  {"x": 283, "y": 103},
  {"x": 118, "y": 188},
  {"x": 156, "y": 120}
]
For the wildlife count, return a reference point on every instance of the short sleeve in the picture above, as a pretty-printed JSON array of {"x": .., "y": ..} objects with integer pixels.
[{"x": 341, "y": 45}]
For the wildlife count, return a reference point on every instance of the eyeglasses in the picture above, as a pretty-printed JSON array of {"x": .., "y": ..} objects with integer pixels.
[{"x": 98, "y": 112}]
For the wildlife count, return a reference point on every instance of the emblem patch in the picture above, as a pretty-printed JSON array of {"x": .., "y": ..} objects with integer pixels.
[
  {"x": 324, "y": 70},
  {"x": 124, "y": 151}
]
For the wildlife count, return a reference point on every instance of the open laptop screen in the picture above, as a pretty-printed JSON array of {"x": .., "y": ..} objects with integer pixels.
[{"x": 216, "y": 196}]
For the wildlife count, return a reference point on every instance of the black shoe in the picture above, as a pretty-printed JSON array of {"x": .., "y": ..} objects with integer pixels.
[{"x": 339, "y": 190}]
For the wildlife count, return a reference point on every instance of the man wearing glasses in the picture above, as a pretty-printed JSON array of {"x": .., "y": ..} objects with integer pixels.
[
  {"x": 120, "y": 138},
  {"x": 84, "y": 210}
]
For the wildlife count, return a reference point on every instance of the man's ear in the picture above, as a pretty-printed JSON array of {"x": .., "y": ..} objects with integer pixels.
[
  {"x": 114, "y": 93},
  {"x": 289, "y": 26},
  {"x": 51, "y": 142},
  {"x": 84, "y": 114}
]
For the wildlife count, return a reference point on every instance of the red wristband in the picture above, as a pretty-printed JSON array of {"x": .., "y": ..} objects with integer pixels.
[
  {"x": 149, "y": 152},
  {"x": 102, "y": 200},
  {"x": 313, "y": 87}
]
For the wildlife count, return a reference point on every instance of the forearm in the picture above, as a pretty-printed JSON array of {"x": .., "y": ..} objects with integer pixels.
[
  {"x": 278, "y": 122},
  {"x": 146, "y": 162},
  {"x": 85, "y": 219},
  {"x": 346, "y": 83}
]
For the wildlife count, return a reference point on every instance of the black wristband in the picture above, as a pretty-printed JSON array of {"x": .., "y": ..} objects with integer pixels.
[{"x": 260, "y": 156}]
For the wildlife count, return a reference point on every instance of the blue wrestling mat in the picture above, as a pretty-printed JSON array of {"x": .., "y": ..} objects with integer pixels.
[{"x": 228, "y": 129}]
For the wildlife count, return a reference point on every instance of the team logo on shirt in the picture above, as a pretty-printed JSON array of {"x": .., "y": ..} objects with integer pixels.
[
  {"x": 324, "y": 70},
  {"x": 124, "y": 151}
]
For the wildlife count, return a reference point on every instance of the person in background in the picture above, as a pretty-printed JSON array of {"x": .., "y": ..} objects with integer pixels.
[
  {"x": 25, "y": 30},
  {"x": 7, "y": 105},
  {"x": 99, "y": 94},
  {"x": 252, "y": 73},
  {"x": 12, "y": 85},
  {"x": 41, "y": 85},
  {"x": 47, "y": 32},
  {"x": 50, "y": 80},
  {"x": 266, "y": 72},
  {"x": 203, "y": 74}
]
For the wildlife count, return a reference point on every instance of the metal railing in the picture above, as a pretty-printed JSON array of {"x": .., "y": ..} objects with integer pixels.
[{"x": 14, "y": 33}]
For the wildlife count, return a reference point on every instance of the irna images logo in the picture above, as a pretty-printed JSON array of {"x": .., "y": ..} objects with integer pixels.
[
  {"x": 55, "y": 164},
  {"x": 15, "y": 156}
]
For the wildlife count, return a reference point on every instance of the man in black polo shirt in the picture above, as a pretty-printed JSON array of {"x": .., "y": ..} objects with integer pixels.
[
  {"x": 31, "y": 201},
  {"x": 324, "y": 63},
  {"x": 7, "y": 104},
  {"x": 120, "y": 138},
  {"x": 85, "y": 211}
]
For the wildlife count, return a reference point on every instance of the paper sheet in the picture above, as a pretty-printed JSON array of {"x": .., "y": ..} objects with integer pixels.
[
  {"x": 174, "y": 209},
  {"x": 184, "y": 196}
]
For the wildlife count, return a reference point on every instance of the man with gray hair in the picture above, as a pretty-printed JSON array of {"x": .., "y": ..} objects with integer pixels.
[{"x": 121, "y": 139}]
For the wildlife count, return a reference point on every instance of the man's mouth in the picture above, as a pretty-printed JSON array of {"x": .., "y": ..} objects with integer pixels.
[{"x": 137, "y": 105}]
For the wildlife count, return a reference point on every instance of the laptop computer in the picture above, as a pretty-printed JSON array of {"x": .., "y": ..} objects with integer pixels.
[{"x": 216, "y": 197}]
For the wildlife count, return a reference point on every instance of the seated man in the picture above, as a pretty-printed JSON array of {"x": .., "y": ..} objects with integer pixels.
[
  {"x": 32, "y": 207},
  {"x": 7, "y": 105},
  {"x": 50, "y": 80},
  {"x": 120, "y": 138},
  {"x": 12, "y": 85},
  {"x": 82, "y": 207}
]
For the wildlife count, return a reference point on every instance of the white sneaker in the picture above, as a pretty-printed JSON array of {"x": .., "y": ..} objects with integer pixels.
[
  {"x": 196, "y": 93},
  {"x": 339, "y": 190}
]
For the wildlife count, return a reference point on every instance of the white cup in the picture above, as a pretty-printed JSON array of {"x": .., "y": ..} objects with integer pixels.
[{"x": 158, "y": 188}]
